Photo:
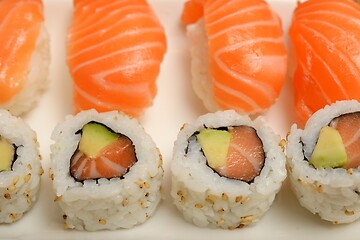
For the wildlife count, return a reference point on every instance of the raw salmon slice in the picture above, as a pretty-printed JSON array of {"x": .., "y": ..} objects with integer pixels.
[
  {"x": 114, "y": 52},
  {"x": 246, "y": 56},
  {"x": 348, "y": 125},
  {"x": 326, "y": 38},
  {"x": 245, "y": 157},
  {"x": 113, "y": 161}
]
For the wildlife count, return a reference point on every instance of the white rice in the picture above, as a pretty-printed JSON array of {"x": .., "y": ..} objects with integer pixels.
[
  {"x": 333, "y": 194},
  {"x": 201, "y": 78},
  {"x": 106, "y": 204},
  {"x": 19, "y": 187},
  {"x": 36, "y": 80},
  {"x": 208, "y": 200}
]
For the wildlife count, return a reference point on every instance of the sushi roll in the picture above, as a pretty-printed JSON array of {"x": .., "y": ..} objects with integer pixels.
[
  {"x": 24, "y": 54},
  {"x": 238, "y": 56},
  {"x": 226, "y": 170},
  {"x": 114, "y": 52},
  {"x": 20, "y": 167},
  {"x": 324, "y": 163},
  {"x": 325, "y": 36},
  {"x": 106, "y": 171}
]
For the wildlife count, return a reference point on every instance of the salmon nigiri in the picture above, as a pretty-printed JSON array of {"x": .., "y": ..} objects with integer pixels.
[
  {"x": 238, "y": 52},
  {"x": 326, "y": 38},
  {"x": 24, "y": 54},
  {"x": 114, "y": 52}
]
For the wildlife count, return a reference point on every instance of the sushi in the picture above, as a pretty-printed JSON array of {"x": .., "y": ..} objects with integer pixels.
[
  {"x": 24, "y": 54},
  {"x": 325, "y": 36},
  {"x": 106, "y": 171},
  {"x": 226, "y": 170},
  {"x": 238, "y": 56},
  {"x": 20, "y": 167},
  {"x": 323, "y": 162},
  {"x": 114, "y": 52}
]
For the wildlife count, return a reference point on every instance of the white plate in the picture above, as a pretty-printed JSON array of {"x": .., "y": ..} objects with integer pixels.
[{"x": 174, "y": 105}]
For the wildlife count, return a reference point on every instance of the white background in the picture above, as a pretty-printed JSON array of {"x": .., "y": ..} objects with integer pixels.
[{"x": 174, "y": 105}]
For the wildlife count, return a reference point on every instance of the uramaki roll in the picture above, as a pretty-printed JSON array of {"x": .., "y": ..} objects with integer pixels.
[
  {"x": 20, "y": 167},
  {"x": 323, "y": 162},
  {"x": 106, "y": 171},
  {"x": 226, "y": 170}
]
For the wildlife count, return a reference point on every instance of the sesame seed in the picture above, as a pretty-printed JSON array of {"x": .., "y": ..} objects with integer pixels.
[
  {"x": 241, "y": 225},
  {"x": 27, "y": 192},
  {"x": 319, "y": 188},
  {"x": 249, "y": 217},
  {"x": 12, "y": 216},
  {"x": 27, "y": 178},
  {"x": 11, "y": 188},
  {"x": 220, "y": 221},
  {"x": 211, "y": 198},
  {"x": 182, "y": 200},
  {"x": 287, "y": 135},
  {"x": 224, "y": 196},
  {"x": 7, "y": 196},
  {"x": 15, "y": 180},
  {"x": 142, "y": 204},
  {"x": 160, "y": 161},
  {"x": 102, "y": 221},
  {"x": 125, "y": 202},
  {"x": 238, "y": 199},
  {"x": 244, "y": 201},
  {"x": 199, "y": 205},
  {"x": 282, "y": 144},
  {"x": 58, "y": 198},
  {"x": 50, "y": 172},
  {"x": 349, "y": 213}
]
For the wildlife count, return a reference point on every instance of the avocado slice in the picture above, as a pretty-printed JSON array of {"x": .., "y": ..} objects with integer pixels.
[
  {"x": 215, "y": 144},
  {"x": 329, "y": 151},
  {"x": 94, "y": 138},
  {"x": 7, "y": 151}
]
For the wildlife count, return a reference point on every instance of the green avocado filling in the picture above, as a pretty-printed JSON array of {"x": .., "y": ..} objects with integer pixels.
[
  {"x": 329, "y": 151},
  {"x": 215, "y": 144},
  {"x": 94, "y": 138},
  {"x": 7, "y": 151}
]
